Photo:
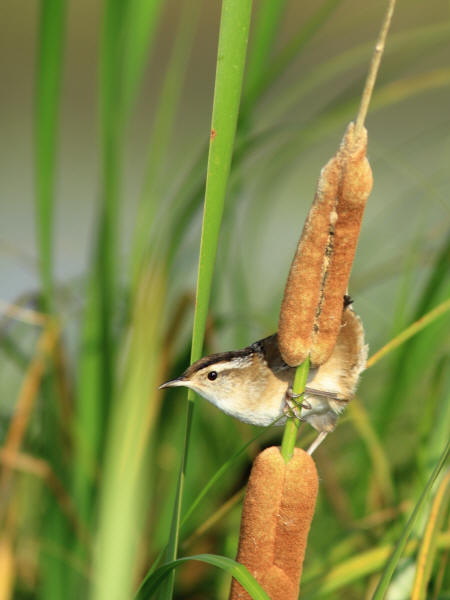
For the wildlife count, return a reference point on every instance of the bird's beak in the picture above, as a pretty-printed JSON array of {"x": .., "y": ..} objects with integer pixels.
[{"x": 179, "y": 382}]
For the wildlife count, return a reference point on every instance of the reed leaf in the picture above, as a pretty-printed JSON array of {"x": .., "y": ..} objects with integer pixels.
[
  {"x": 233, "y": 37},
  {"x": 355, "y": 568},
  {"x": 427, "y": 550},
  {"x": 125, "y": 483},
  {"x": 48, "y": 84},
  {"x": 393, "y": 560},
  {"x": 146, "y": 225},
  {"x": 235, "y": 569},
  {"x": 141, "y": 22},
  {"x": 267, "y": 24}
]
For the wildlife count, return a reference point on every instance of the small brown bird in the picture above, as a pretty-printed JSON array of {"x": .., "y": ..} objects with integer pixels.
[{"x": 255, "y": 384}]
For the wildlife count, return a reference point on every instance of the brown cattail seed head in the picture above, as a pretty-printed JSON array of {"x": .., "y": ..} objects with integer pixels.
[
  {"x": 312, "y": 306},
  {"x": 303, "y": 288},
  {"x": 276, "y": 517}
]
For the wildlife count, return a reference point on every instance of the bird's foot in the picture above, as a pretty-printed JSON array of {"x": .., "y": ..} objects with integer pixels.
[
  {"x": 291, "y": 398},
  {"x": 291, "y": 409}
]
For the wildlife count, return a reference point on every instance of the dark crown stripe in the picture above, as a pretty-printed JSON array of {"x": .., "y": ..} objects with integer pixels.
[{"x": 216, "y": 359}]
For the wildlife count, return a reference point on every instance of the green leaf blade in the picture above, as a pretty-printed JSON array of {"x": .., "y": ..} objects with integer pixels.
[
  {"x": 233, "y": 38},
  {"x": 394, "y": 559},
  {"x": 233, "y": 568}
]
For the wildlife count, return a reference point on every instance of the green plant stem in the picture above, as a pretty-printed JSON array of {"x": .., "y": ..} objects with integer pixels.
[
  {"x": 233, "y": 38},
  {"x": 48, "y": 84},
  {"x": 292, "y": 424},
  {"x": 51, "y": 43}
]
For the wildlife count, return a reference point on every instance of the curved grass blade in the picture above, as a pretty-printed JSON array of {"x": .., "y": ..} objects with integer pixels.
[
  {"x": 393, "y": 560},
  {"x": 262, "y": 77},
  {"x": 439, "y": 424},
  {"x": 427, "y": 551},
  {"x": 381, "y": 466},
  {"x": 265, "y": 31},
  {"x": 219, "y": 473},
  {"x": 410, "y": 331},
  {"x": 299, "y": 41},
  {"x": 142, "y": 20},
  {"x": 256, "y": 84},
  {"x": 163, "y": 123},
  {"x": 341, "y": 575},
  {"x": 415, "y": 357},
  {"x": 208, "y": 486},
  {"x": 125, "y": 482},
  {"x": 236, "y": 570},
  {"x": 435, "y": 281},
  {"x": 419, "y": 39},
  {"x": 128, "y": 31},
  {"x": 215, "y": 517},
  {"x": 95, "y": 370},
  {"x": 332, "y": 117},
  {"x": 258, "y": 79}
]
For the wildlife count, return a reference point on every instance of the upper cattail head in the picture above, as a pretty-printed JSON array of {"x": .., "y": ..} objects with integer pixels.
[{"x": 311, "y": 311}]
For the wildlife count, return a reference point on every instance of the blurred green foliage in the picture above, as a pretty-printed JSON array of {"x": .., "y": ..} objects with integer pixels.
[{"x": 91, "y": 449}]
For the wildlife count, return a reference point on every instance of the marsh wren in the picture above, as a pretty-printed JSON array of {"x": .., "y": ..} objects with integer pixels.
[{"x": 255, "y": 384}]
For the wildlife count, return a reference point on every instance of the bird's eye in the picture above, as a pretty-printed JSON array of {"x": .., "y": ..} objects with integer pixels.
[{"x": 212, "y": 375}]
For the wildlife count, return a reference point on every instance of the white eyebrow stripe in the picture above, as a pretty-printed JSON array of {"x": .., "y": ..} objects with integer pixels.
[{"x": 226, "y": 365}]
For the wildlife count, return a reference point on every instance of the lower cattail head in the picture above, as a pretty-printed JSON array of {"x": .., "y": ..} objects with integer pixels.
[{"x": 276, "y": 518}]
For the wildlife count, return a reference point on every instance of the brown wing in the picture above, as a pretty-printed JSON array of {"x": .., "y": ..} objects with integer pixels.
[{"x": 269, "y": 348}]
